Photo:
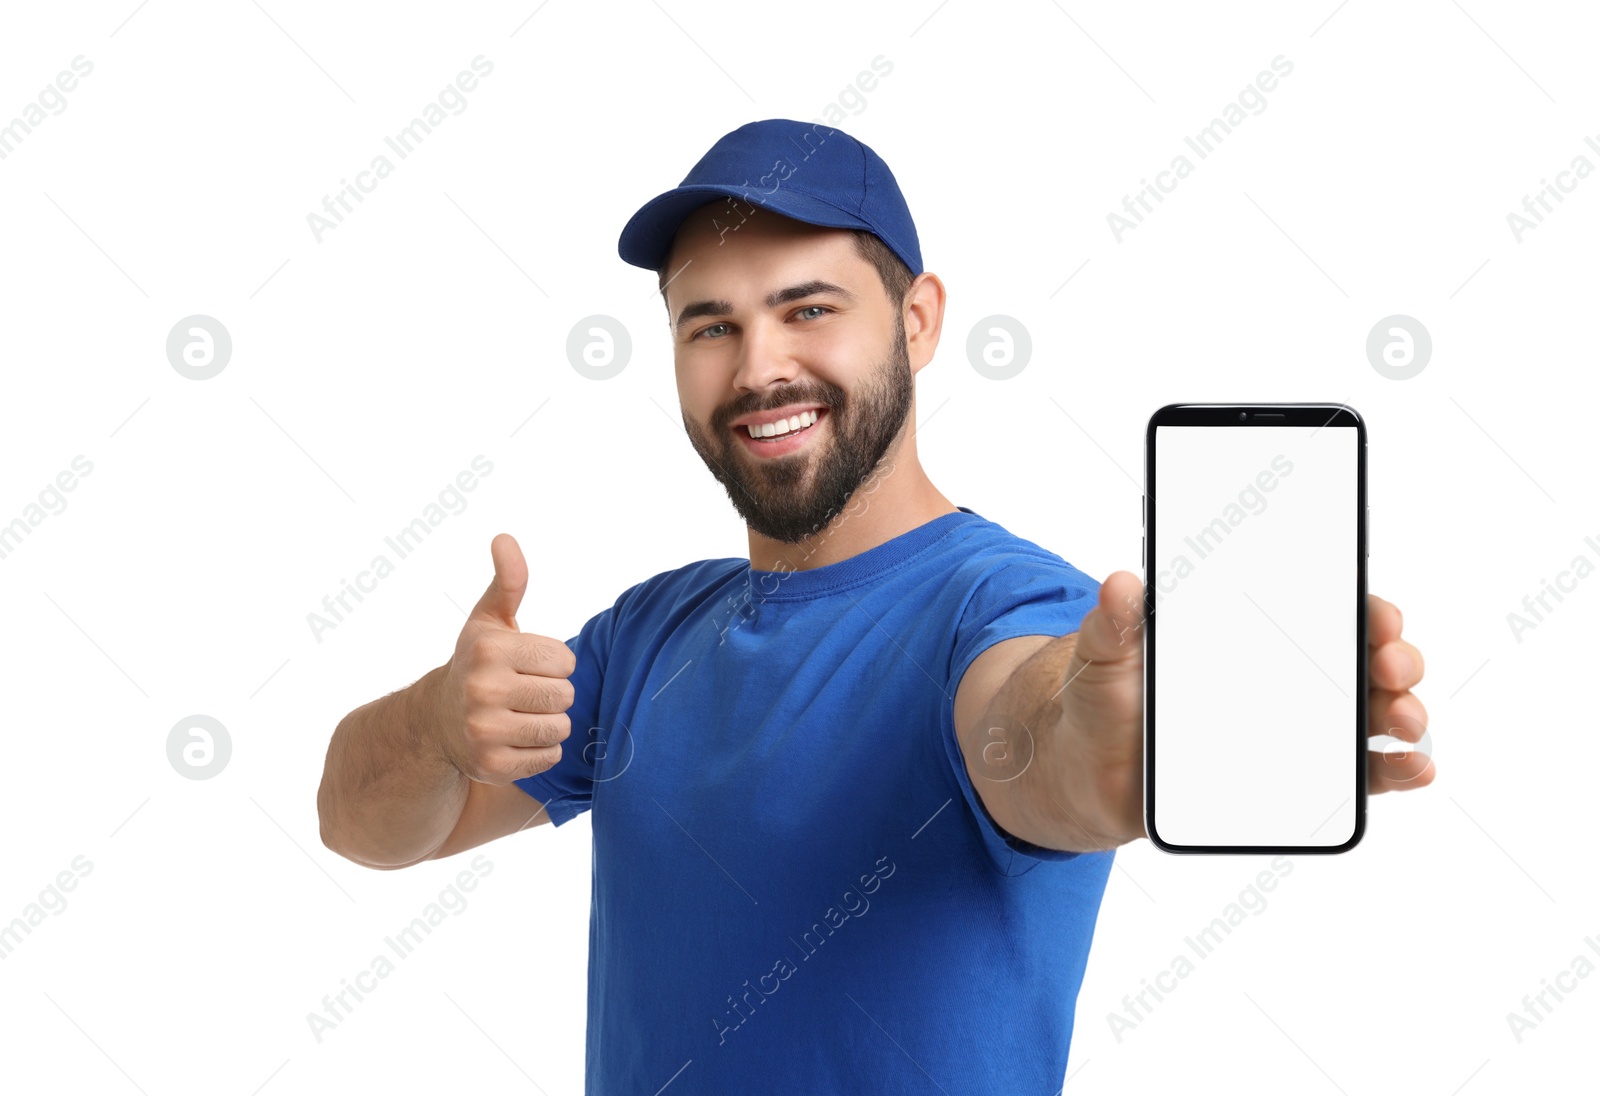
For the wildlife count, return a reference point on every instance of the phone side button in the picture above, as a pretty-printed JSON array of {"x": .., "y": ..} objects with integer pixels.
[
  {"x": 1141, "y": 553},
  {"x": 1369, "y": 532}
]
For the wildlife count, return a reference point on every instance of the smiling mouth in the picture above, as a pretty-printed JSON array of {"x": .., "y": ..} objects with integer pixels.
[{"x": 821, "y": 412}]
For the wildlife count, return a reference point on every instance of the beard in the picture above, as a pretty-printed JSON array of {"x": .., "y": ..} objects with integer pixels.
[{"x": 795, "y": 496}]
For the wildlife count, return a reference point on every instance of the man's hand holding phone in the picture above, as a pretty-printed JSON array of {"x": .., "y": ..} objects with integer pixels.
[{"x": 1102, "y": 708}]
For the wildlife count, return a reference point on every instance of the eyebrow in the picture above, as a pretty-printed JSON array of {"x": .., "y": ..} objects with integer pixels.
[{"x": 774, "y": 299}]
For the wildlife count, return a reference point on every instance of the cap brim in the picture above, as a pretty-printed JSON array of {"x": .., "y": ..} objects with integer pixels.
[{"x": 647, "y": 237}]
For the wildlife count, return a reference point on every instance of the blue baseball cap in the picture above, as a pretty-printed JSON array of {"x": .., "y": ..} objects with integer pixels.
[{"x": 802, "y": 170}]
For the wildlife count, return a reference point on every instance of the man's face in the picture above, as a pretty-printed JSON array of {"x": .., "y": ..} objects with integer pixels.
[{"x": 784, "y": 316}]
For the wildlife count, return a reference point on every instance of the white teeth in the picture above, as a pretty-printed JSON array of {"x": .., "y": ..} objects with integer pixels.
[{"x": 782, "y": 426}]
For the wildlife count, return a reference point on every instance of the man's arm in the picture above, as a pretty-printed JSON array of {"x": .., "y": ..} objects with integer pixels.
[
  {"x": 1020, "y": 752},
  {"x": 431, "y": 770},
  {"x": 1052, "y": 728},
  {"x": 389, "y": 800},
  {"x": 491, "y": 811},
  {"x": 389, "y": 797},
  {"x": 1053, "y": 740}
]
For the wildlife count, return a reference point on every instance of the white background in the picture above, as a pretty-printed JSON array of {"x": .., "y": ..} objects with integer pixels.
[{"x": 370, "y": 368}]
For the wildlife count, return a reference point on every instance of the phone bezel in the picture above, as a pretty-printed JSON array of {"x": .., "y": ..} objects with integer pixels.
[{"x": 1258, "y": 416}]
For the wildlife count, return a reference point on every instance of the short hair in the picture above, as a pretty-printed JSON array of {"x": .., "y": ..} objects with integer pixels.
[{"x": 895, "y": 275}]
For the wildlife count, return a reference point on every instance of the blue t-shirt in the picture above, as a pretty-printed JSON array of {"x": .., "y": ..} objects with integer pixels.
[{"x": 795, "y": 887}]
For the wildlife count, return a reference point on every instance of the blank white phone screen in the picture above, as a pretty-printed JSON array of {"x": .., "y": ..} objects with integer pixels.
[{"x": 1255, "y": 576}]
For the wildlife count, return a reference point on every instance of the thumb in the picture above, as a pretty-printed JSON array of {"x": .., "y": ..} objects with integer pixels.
[
  {"x": 1113, "y": 631},
  {"x": 501, "y": 600}
]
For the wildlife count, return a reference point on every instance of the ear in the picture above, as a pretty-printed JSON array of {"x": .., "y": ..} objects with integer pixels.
[{"x": 924, "y": 316}]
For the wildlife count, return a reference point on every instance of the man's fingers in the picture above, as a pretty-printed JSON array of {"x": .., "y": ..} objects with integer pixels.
[
  {"x": 511, "y": 763},
  {"x": 1392, "y": 772},
  {"x": 1114, "y": 629},
  {"x": 1396, "y": 666},
  {"x": 1398, "y": 715},
  {"x": 501, "y": 600},
  {"x": 534, "y": 731},
  {"x": 537, "y": 694},
  {"x": 522, "y": 652},
  {"x": 1383, "y": 621}
]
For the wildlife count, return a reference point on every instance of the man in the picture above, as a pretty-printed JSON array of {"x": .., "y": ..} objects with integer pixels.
[{"x": 854, "y": 798}]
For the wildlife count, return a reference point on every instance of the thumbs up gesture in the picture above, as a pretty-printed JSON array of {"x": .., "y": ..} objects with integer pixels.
[{"x": 503, "y": 702}]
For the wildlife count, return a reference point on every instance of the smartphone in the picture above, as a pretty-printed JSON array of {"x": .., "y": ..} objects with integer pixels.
[{"x": 1255, "y": 629}]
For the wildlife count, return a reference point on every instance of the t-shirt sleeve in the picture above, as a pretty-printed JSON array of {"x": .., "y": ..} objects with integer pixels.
[
  {"x": 1025, "y": 594},
  {"x": 566, "y": 789}
]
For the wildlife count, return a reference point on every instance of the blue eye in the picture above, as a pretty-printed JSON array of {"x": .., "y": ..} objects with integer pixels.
[{"x": 820, "y": 308}]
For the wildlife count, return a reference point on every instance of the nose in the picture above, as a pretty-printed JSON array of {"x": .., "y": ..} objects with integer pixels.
[{"x": 764, "y": 358}]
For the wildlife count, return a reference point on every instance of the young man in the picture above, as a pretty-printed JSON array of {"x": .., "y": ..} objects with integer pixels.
[{"x": 854, "y": 798}]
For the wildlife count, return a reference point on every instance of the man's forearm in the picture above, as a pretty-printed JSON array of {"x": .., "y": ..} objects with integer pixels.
[
  {"x": 388, "y": 798},
  {"x": 1047, "y": 779}
]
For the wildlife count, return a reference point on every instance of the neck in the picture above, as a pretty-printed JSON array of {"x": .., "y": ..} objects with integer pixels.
[{"x": 896, "y": 499}]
